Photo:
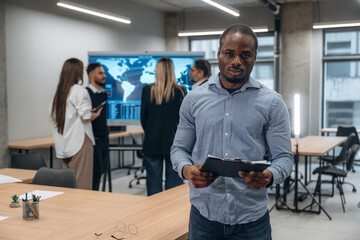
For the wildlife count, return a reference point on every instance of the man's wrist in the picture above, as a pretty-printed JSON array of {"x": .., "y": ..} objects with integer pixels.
[
  {"x": 183, "y": 171},
  {"x": 270, "y": 183}
]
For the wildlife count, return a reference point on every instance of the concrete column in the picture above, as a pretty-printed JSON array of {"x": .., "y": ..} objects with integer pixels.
[
  {"x": 174, "y": 43},
  {"x": 4, "y": 156},
  {"x": 171, "y": 31},
  {"x": 295, "y": 70}
]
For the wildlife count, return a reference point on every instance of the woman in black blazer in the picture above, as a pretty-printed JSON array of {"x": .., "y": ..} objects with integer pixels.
[{"x": 160, "y": 105}]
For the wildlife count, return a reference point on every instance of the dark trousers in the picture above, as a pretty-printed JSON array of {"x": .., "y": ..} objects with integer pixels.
[
  {"x": 101, "y": 159},
  {"x": 154, "y": 173},
  {"x": 201, "y": 228}
]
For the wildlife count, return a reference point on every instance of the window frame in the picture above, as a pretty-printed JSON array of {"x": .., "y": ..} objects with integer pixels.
[{"x": 333, "y": 58}]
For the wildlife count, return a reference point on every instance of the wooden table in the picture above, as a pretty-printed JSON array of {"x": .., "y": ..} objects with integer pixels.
[
  {"x": 24, "y": 175},
  {"x": 316, "y": 145},
  {"x": 79, "y": 214},
  {"x": 48, "y": 142},
  {"x": 327, "y": 131},
  {"x": 308, "y": 146}
]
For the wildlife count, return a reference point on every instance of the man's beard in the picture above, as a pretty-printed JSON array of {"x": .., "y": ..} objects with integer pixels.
[
  {"x": 99, "y": 83},
  {"x": 235, "y": 80}
]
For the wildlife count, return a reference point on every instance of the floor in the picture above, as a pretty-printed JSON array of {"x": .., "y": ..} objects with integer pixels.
[{"x": 286, "y": 224}]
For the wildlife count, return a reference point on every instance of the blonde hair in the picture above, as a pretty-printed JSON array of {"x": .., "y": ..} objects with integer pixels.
[{"x": 165, "y": 84}]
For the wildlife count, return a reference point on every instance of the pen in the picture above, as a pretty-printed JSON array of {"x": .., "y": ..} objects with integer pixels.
[{"x": 32, "y": 209}]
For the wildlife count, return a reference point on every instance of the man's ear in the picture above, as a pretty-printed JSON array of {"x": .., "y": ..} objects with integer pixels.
[
  {"x": 218, "y": 53},
  {"x": 201, "y": 72}
]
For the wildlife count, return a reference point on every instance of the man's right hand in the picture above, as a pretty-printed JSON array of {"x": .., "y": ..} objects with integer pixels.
[{"x": 197, "y": 178}]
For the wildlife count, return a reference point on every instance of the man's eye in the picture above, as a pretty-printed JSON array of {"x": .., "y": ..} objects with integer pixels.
[
  {"x": 245, "y": 56},
  {"x": 230, "y": 54}
]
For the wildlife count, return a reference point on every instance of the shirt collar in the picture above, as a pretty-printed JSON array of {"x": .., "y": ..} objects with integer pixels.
[
  {"x": 198, "y": 83},
  {"x": 94, "y": 89},
  {"x": 250, "y": 83}
]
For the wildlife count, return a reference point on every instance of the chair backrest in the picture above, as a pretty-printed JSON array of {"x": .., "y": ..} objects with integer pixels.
[
  {"x": 344, "y": 150},
  {"x": 351, "y": 156},
  {"x": 346, "y": 131},
  {"x": 56, "y": 177},
  {"x": 32, "y": 161},
  {"x": 139, "y": 153}
]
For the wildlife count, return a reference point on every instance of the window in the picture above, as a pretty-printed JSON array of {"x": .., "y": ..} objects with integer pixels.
[
  {"x": 341, "y": 82},
  {"x": 263, "y": 70}
]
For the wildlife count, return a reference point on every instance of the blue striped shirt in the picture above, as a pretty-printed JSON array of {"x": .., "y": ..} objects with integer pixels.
[{"x": 243, "y": 124}]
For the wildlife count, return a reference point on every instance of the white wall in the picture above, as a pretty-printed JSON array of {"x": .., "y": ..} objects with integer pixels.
[{"x": 40, "y": 36}]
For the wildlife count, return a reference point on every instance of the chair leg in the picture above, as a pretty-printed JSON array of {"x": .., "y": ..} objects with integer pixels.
[
  {"x": 317, "y": 190},
  {"x": 342, "y": 196},
  {"x": 354, "y": 188}
]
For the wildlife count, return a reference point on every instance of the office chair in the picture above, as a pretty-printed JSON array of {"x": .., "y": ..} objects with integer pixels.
[
  {"x": 32, "y": 161},
  {"x": 56, "y": 177},
  {"x": 346, "y": 131},
  {"x": 338, "y": 174},
  {"x": 341, "y": 158},
  {"x": 140, "y": 155}
]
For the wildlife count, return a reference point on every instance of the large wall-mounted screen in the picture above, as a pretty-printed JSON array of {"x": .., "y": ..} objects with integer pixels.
[{"x": 127, "y": 74}]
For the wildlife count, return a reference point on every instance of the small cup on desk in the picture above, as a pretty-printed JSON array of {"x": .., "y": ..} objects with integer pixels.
[{"x": 30, "y": 210}]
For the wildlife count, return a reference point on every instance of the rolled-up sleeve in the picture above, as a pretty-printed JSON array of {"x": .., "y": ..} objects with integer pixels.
[
  {"x": 185, "y": 138},
  {"x": 82, "y": 103},
  {"x": 279, "y": 143}
]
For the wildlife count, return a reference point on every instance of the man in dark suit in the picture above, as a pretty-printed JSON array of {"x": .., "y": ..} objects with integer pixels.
[{"x": 97, "y": 94}]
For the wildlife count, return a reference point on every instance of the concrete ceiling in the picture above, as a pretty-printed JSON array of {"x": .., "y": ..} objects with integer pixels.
[{"x": 181, "y": 5}]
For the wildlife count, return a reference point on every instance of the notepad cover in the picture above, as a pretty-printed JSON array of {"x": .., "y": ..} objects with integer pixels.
[{"x": 230, "y": 168}]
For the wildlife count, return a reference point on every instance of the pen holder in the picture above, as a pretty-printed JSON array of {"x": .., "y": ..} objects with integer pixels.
[{"x": 30, "y": 210}]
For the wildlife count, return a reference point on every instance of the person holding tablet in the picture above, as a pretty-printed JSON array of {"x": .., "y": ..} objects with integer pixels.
[
  {"x": 232, "y": 116},
  {"x": 71, "y": 115},
  {"x": 98, "y": 98}
]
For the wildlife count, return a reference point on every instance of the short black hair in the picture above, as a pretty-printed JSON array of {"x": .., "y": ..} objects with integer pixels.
[
  {"x": 239, "y": 28},
  {"x": 203, "y": 65},
  {"x": 91, "y": 67}
]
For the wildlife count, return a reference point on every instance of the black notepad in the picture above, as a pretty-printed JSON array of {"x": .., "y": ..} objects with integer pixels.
[{"x": 230, "y": 167}]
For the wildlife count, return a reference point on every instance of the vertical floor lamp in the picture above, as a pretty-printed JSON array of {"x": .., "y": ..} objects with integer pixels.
[{"x": 297, "y": 180}]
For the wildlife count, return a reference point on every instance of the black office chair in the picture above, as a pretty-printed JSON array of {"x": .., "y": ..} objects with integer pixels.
[
  {"x": 141, "y": 169},
  {"x": 346, "y": 131},
  {"x": 32, "y": 161},
  {"x": 341, "y": 158},
  {"x": 338, "y": 174},
  {"x": 56, "y": 177}
]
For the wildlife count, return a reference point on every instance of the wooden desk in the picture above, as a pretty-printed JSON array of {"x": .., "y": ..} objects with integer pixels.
[
  {"x": 78, "y": 214},
  {"x": 316, "y": 145},
  {"x": 48, "y": 142},
  {"x": 161, "y": 216},
  {"x": 24, "y": 175},
  {"x": 327, "y": 131},
  {"x": 307, "y": 146}
]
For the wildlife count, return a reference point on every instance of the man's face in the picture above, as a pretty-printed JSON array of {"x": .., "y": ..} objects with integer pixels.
[
  {"x": 195, "y": 74},
  {"x": 99, "y": 76},
  {"x": 236, "y": 58}
]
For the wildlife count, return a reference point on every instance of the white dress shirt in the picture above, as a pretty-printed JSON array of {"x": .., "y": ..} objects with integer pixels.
[
  {"x": 78, "y": 108},
  {"x": 94, "y": 89}
]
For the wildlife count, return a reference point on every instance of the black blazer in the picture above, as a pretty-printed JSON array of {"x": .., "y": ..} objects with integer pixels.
[{"x": 160, "y": 121}]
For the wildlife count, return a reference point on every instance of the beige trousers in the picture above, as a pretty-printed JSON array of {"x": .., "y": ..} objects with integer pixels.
[{"x": 82, "y": 162}]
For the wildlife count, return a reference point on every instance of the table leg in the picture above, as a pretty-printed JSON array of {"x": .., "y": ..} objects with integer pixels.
[
  {"x": 306, "y": 163},
  {"x": 51, "y": 156}
]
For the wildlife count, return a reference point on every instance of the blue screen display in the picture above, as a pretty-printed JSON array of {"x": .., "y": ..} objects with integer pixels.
[{"x": 126, "y": 75}]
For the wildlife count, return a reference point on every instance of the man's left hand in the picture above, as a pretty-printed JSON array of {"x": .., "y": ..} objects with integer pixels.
[{"x": 256, "y": 180}]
